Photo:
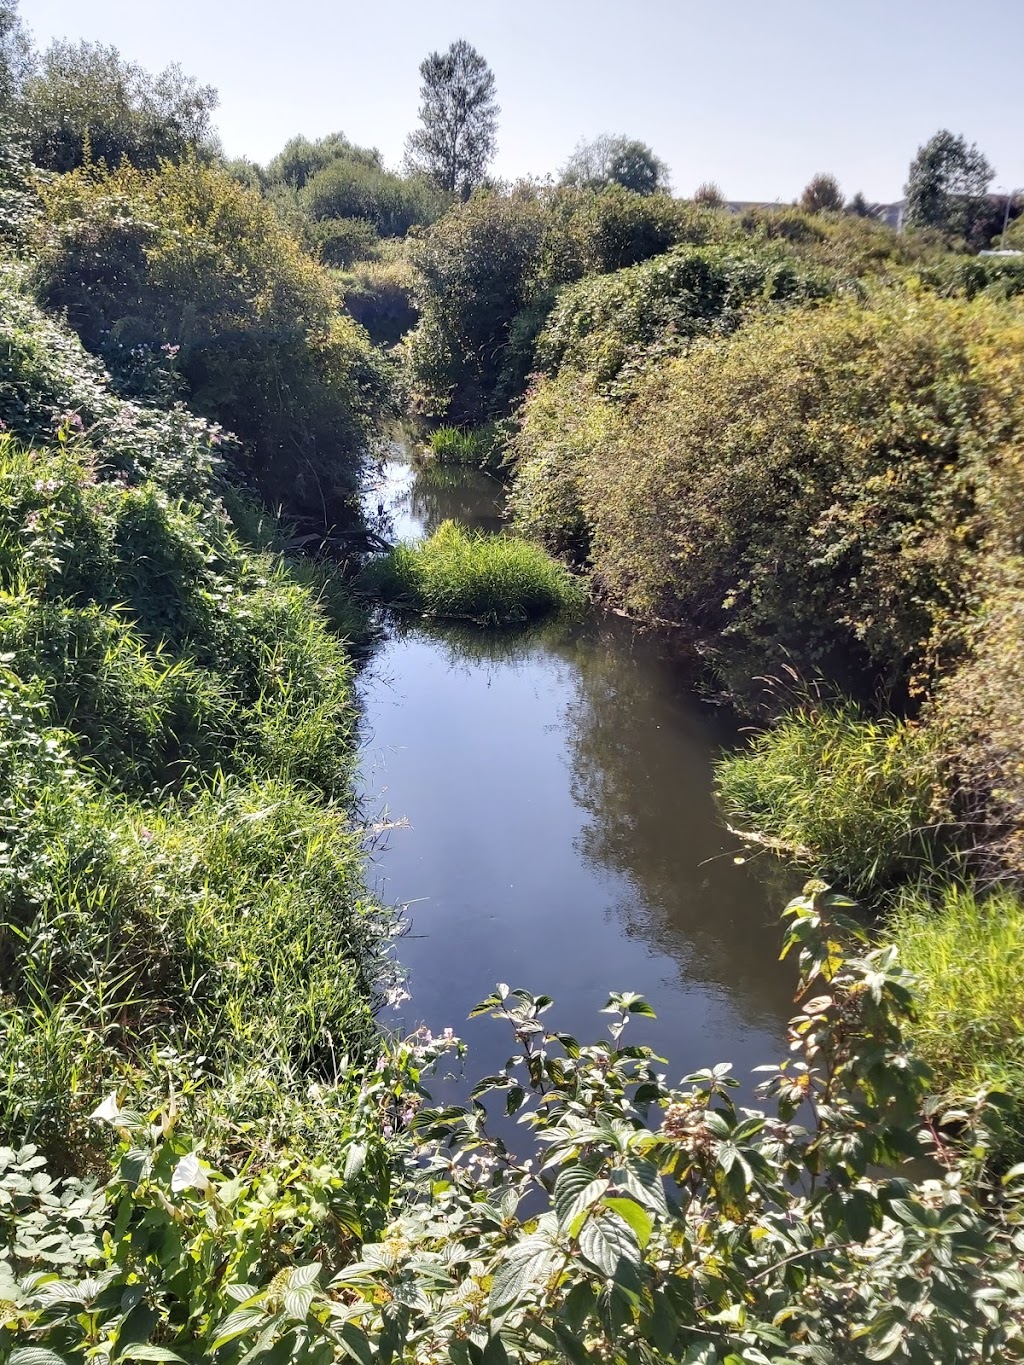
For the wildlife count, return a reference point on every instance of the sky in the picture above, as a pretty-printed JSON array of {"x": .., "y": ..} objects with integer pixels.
[{"x": 757, "y": 95}]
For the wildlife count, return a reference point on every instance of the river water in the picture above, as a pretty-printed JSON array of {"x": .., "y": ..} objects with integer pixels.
[{"x": 561, "y": 831}]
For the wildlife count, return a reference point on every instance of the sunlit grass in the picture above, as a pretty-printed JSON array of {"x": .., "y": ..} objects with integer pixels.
[
  {"x": 854, "y": 798},
  {"x": 968, "y": 954},
  {"x": 494, "y": 580}
]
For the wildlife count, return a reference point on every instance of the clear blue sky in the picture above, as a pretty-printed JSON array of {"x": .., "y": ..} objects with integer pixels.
[{"x": 755, "y": 94}]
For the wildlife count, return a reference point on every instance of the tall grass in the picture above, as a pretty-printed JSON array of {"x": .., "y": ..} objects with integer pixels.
[
  {"x": 493, "y": 580},
  {"x": 853, "y": 797},
  {"x": 481, "y": 447},
  {"x": 182, "y": 905},
  {"x": 968, "y": 954}
]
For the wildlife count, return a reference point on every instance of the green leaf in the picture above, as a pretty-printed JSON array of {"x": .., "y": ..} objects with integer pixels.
[
  {"x": 241, "y": 1320},
  {"x": 527, "y": 1263},
  {"x": 304, "y": 1274},
  {"x": 35, "y": 1355},
  {"x": 604, "y": 1242},
  {"x": 355, "y": 1160},
  {"x": 145, "y": 1351},
  {"x": 297, "y": 1302},
  {"x": 355, "y": 1343},
  {"x": 576, "y": 1189},
  {"x": 643, "y": 1181},
  {"x": 637, "y": 1218}
]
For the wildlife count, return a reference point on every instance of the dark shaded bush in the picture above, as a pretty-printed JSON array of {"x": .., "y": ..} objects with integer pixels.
[{"x": 379, "y": 295}]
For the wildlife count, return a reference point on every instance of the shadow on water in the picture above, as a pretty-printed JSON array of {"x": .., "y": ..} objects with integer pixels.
[{"x": 563, "y": 835}]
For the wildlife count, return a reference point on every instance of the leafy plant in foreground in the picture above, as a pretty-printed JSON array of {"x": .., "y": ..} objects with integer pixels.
[{"x": 658, "y": 1223}]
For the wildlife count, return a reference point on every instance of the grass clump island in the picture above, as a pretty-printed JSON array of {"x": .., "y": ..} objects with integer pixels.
[{"x": 494, "y": 580}]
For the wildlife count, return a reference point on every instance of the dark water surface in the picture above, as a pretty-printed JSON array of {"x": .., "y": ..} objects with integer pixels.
[{"x": 562, "y": 835}]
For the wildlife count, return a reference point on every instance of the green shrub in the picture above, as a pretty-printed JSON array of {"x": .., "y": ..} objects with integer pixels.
[
  {"x": 379, "y": 295},
  {"x": 820, "y": 480},
  {"x": 181, "y": 882},
  {"x": 339, "y": 242},
  {"x": 857, "y": 799},
  {"x": 392, "y": 203},
  {"x": 967, "y": 952},
  {"x": 185, "y": 267},
  {"x": 476, "y": 270},
  {"x": 494, "y": 580},
  {"x": 655, "y": 308}
]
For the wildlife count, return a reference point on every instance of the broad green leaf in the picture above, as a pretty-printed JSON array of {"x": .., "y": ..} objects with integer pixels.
[
  {"x": 638, "y": 1218},
  {"x": 145, "y": 1351},
  {"x": 576, "y": 1189},
  {"x": 355, "y": 1343},
  {"x": 526, "y": 1264},
  {"x": 643, "y": 1181},
  {"x": 605, "y": 1241},
  {"x": 35, "y": 1355},
  {"x": 241, "y": 1320}
]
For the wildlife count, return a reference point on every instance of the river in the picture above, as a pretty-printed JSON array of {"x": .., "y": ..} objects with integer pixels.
[{"x": 562, "y": 834}]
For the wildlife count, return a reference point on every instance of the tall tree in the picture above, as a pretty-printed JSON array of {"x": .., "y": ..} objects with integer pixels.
[
  {"x": 458, "y": 117},
  {"x": 822, "y": 194},
  {"x": 16, "y": 56},
  {"x": 624, "y": 161},
  {"x": 947, "y": 185}
]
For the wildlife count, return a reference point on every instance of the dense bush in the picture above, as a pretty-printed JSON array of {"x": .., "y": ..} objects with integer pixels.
[
  {"x": 814, "y": 480},
  {"x": 181, "y": 889},
  {"x": 84, "y": 100},
  {"x": 392, "y": 203},
  {"x": 494, "y": 580},
  {"x": 185, "y": 269},
  {"x": 604, "y": 321},
  {"x": 476, "y": 269},
  {"x": 339, "y": 242}
]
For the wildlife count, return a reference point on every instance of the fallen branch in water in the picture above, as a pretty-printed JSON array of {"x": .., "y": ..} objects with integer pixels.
[{"x": 784, "y": 847}]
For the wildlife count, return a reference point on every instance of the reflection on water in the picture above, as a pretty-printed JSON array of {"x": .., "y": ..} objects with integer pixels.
[{"x": 563, "y": 836}]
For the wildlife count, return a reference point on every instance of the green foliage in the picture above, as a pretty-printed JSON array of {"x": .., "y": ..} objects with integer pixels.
[
  {"x": 85, "y": 101},
  {"x": 480, "y": 447},
  {"x": 493, "y": 580},
  {"x": 664, "y": 1223},
  {"x": 476, "y": 271},
  {"x": 340, "y": 242},
  {"x": 350, "y": 189},
  {"x": 379, "y": 295},
  {"x": 609, "y": 321},
  {"x": 185, "y": 269},
  {"x": 822, "y": 479},
  {"x": 854, "y": 798},
  {"x": 967, "y": 953},
  {"x": 616, "y": 161},
  {"x": 299, "y": 160},
  {"x": 946, "y": 185},
  {"x": 181, "y": 885},
  {"x": 822, "y": 194},
  {"x": 458, "y": 116}
]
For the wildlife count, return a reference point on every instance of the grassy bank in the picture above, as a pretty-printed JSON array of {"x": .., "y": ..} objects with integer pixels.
[
  {"x": 181, "y": 880},
  {"x": 967, "y": 952},
  {"x": 493, "y": 580}
]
